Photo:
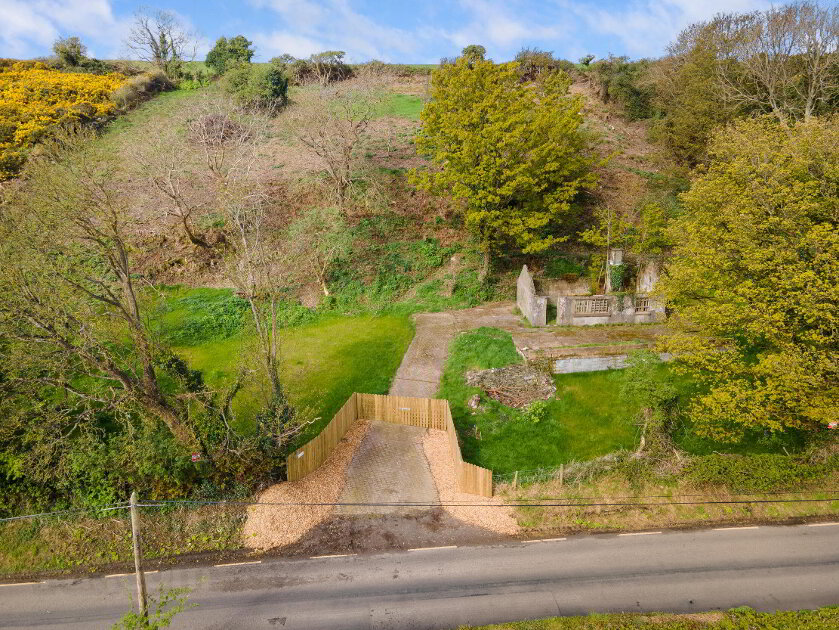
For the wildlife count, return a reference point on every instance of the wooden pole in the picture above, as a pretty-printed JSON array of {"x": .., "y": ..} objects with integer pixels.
[
  {"x": 561, "y": 475},
  {"x": 516, "y": 479},
  {"x": 138, "y": 557}
]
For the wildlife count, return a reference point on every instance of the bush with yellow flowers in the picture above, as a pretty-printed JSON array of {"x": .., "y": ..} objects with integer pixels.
[{"x": 35, "y": 98}]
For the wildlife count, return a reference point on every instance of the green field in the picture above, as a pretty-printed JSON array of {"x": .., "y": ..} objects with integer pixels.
[
  {"x": 322, "y": 362},
  {"x": 401, "y": 106},
  {"x": 589, "y": 416},
  {"x": 584, "y": 420}
]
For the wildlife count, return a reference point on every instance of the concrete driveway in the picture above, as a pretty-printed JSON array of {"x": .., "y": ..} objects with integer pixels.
[{"x": 389, "y": 466}]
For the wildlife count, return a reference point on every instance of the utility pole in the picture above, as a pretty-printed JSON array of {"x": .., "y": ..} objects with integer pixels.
[{"x": 138, "y": 557}]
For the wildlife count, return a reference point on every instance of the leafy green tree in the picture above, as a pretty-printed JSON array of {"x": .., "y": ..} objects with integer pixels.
[
  {"x": 70, "y": 50},
  {"x": 474, "y": 52},
  {"x": 686, "y": 90},
  {"x": 753, "y": 279},
  {"x": 229, "y": 52},
  {"x": 511, "y": 152}
]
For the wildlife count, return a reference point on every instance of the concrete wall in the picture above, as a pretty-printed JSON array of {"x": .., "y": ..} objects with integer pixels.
[
  {"x": 532, "y": 306},
  {"x": 648, "y": 274},
  {"x": 567, "y": 313},
  {"x": 552, "y": 287},
  {"x": 595, "y": 364}
]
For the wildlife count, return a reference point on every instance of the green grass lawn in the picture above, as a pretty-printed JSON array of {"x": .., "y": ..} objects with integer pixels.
[
  {"x": 322, "y": 362},
  {"x": 585, "y": 419},
  {"x": 588, "y": 418},
  {"x": 401, "y": 106}
]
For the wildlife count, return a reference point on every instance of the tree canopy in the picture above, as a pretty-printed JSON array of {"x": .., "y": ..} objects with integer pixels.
[
  {"x": 511, "y": 152},
  {"x": 753, "y": 278},
  {"x": 229, "y": 52}
]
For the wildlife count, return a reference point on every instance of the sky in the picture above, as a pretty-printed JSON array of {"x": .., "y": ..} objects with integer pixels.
[{"x": 399, "y": 31}]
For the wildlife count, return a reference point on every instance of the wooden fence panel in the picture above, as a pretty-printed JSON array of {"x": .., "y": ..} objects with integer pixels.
[
  {"x": 419, "y": 412},
  {"x": 312, "y": 454}
]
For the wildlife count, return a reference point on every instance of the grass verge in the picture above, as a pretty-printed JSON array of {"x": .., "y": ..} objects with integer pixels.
[
  {"x": 736, "y": 619},
  {"x": 62, "y": 545}
]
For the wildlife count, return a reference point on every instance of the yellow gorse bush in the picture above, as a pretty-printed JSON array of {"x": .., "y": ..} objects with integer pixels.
[{"x": 35, "y": 98}]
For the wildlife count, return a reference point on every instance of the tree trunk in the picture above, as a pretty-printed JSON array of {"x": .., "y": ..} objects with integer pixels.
[
  {"x": 194, "y": 238},
  {"x": 485, "y": 264}
]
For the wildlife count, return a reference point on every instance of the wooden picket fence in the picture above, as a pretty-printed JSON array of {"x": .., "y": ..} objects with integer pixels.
[{"x": 418, "y": 412}]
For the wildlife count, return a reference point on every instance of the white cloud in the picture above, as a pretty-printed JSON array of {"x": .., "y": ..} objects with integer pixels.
[
  {"x": 645, "y": 27},
  {"x": 333, "y": 25},
  {"x": 279, "y": 42},
  {"x": 29, "y": 27}
]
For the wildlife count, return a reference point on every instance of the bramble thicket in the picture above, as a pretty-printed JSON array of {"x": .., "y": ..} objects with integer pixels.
[{"x": 35, "y": 99}]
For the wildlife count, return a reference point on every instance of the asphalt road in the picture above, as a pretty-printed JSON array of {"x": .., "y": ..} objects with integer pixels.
[{"x": 768, "y": 568}]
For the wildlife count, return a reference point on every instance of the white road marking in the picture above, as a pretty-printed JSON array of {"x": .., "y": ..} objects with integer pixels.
[
  {"x": 725, "y": 529},
  {"x": 543, "y": 540},
  {"x": 431, "y": 548},
  {"x": 821, "y": 524},
  {"x": 112, "y": 575},
  {"x": 236, "y": 564},
  {"x": 639, "y": 534},
  {"x": 335, "y": 555},
  {"x": 21, "y": 583}
]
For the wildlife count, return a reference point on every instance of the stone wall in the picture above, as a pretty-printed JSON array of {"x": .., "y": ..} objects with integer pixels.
[
  {"x": 532, "y": 306},
  {"x": 607, "y": 309}
]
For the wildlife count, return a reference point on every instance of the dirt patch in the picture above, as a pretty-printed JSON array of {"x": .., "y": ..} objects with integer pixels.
[
  {"x": 356, "y": 534},
  {"x": 272, "y": 525},
  {"x": 515, "y": 385},
  {"x": 492, "y": 514}
]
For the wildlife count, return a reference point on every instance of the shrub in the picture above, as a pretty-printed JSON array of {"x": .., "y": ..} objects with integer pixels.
[
  {"x": 35, "y": 98},
  {"x": 141, "y": 87},
  {"x": 535, "y": 412},
  {"x": 756, "y": 473},
  {"x": 228, "y": 53},
  {"x": 561, "y": 267},
  {"x": 263, "y": 86},
  {"x": 70, "y": 50}
]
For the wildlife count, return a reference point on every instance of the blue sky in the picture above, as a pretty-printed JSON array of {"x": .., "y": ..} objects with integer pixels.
[{"x": 390, "y": 30}]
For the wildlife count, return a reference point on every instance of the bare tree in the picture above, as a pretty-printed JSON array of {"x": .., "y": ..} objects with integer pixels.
[
  {"x": 331, "y": 122},
  {"x": 784, "y": 60},
  {"x": 191, "y": 165},
  {"x": 69, "y": 288},
  {"x": 161, "y": 38},
  {"x": 316, "y": 240}
]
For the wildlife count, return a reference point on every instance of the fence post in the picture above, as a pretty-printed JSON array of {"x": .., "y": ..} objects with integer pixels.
[
  {"x": 138, "y": 557},
  {"x": 516, "y": 479},
  {"x": 561, "y": 475}
]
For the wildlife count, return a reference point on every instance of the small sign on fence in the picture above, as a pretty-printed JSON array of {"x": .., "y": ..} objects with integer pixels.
[{"x": 196, "y": 457}]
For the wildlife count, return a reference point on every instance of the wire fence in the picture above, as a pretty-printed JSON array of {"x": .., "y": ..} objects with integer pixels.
[{"x": 824, "y": 496}]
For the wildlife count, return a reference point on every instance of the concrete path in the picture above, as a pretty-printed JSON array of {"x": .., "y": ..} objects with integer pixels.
[
  {"x": 389, "y": 466},
  {"x": 768, "y": 568},
  {"x": 422, "y": 366}
]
